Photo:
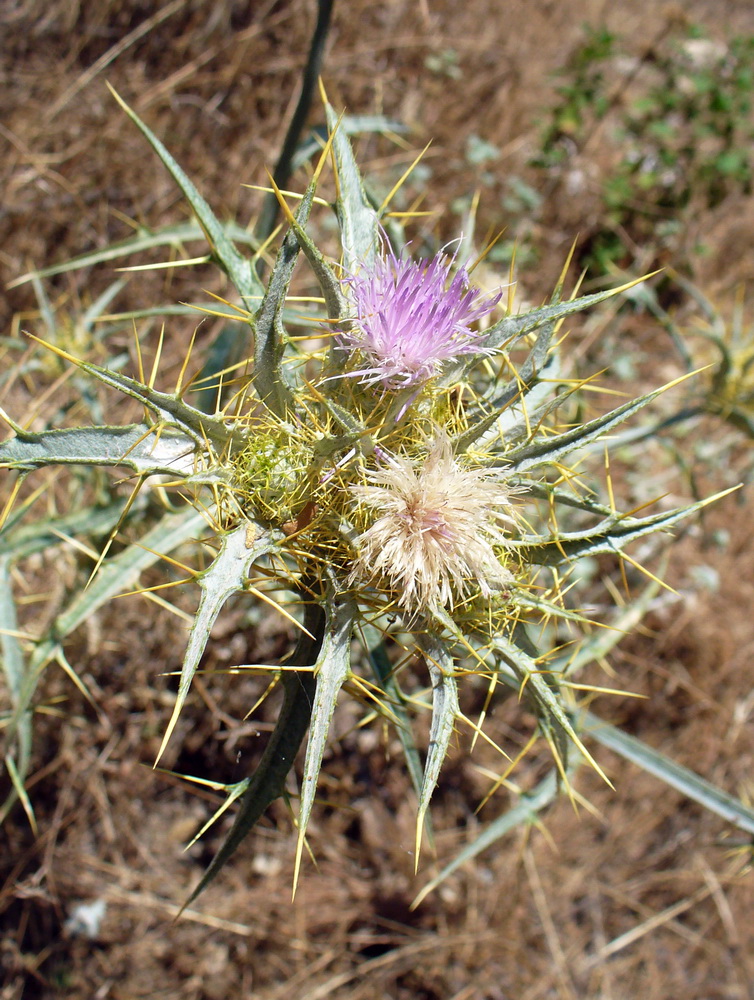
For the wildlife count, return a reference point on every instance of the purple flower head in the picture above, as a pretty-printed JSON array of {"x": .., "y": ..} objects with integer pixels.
[{"x": 411, "y": 317}]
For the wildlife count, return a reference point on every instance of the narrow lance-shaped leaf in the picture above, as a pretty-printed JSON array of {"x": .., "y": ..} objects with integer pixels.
[
  {"x": 47, "y": 314},
  {"x": 511, "y": 328},
  {"x": 323, "y": 272},
  {"x": 516, "y": 389},
  {"x": 523, "y": 813},
  {"x": 530, "y": 803},
  {"x": 549, "y": 450},
  {"x": 445, "y": 711},
  {"x": 19, "y": 540},
  {"x": 269, "y": 334},
  {"x": 351, "y": 125},
  {"x": 170, "y": 408},
  {"x": 268, "y": 781},
  {"x": 16, "y": 542},
  {"x": 120, "y": 573},
  {"x": 115, "y": 576},
  {"x": 685, "y": 781},
  {"x": 138, "y": 446},
  {"x": 331, "y": 671},
  {"x": 359, "y": 223},
  {"x": 239, "y": 549},
  {"x": 238, "y": 269},
  {"x": 146, "y": 239},
  {"x": 553, "y": 719},
  {"x": 97, "y": 308},
  {"x": 385, "y": 677},
  {"x": 613, "y": 534},
  {"x": 517, "y": 420},
  {"x": 12, "y": 662},
  {"x": 514, "y": 423},
  {"x": 532, "y": 388},
  {"x": 555, "y": 494},
  {"x": 594, "y": 648}
]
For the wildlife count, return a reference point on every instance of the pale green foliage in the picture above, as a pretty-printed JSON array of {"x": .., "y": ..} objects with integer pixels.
[{"x": 273, "y": 473}]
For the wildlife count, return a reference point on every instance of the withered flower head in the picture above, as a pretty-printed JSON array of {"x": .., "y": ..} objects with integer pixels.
[{"x": 435, "y": 529}]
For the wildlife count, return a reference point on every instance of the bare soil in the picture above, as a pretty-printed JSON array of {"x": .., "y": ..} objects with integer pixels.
[{"x": 642, "y": 894}]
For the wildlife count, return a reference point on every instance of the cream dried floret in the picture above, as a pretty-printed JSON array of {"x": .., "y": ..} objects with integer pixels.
[{"x": 435, "y": 528}]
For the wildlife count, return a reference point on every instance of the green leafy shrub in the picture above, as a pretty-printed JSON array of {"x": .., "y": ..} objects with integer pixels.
[{"x": 659, "y": 135}]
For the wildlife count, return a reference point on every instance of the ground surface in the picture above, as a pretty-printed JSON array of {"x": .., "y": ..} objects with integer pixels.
[{"x": 642, "y": 896}]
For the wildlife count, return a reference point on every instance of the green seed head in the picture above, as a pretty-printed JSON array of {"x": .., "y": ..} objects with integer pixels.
[{"x": 271, "y": 475}]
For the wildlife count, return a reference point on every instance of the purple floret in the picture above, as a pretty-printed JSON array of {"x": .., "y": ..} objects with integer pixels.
[{"x": 410, "y": 318}]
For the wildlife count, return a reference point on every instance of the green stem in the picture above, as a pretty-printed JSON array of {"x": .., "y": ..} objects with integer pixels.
[{"x": 271, "y": 208}]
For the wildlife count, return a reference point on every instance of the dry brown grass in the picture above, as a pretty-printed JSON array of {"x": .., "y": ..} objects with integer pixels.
[{"x": 641, "y": 899}]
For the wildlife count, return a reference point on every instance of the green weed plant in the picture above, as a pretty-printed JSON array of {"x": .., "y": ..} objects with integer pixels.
[{"x": 402, "y": 477}]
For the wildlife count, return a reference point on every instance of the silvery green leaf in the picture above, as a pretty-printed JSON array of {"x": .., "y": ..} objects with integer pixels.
[
  {"x": 269, "y": 333},
  {"x": 510, "y": 329},
  {"x": 546, "y": 450},
  {"x": 331, "y": 671},
  {"x": 120, "y": 573},
  {"x": 46, "y": 311},
  {"x": 268, "y": 781},
  {"x": 96, "y": 309},
  {"x": 237, "y": 267},
  {"x": 527, "y": 374},
  {"x": 13, "y": 666},
  {"x": 374, "y": 642},
  {"x": 533, "y": 602},
  {"x": 116, "y": 575},
  {"x": 16, "y": 542},
  {"x": 137, "y": 446},
  {"x": 523, "y": 813},
  {"x": 535, "y": 394},
  {"x": 146, "y": 239},
  {"x": 171, "y": 409},
  {"x": 445, "y": 711},
  {"x": 323, "y": 272},
  {"x": 175, "y": 309},
  {"x": 611, "y": 535},
  {"x": 335, "y": 303},
  {"x": 685, "y": 781},
  {"x": 541, "y": 690},
  {"x": 510, "y": 416},
  {"x": 19, "y": 540},
  {"x": 555, "y": 494},
  {"x": 594, "y": 648},
  {"x": 351, "y": 125},
  {"x": 359, "y": 223},
  {"x": 227, "y": 574},
  {"x": 354, "y": 428}
]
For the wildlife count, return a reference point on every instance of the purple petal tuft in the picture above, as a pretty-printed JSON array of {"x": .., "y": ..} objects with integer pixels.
[{"x": 411, "y": 317}]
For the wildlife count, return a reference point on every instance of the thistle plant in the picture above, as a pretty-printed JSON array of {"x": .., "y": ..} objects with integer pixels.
[
  {"x": 728, "y": 389},
  {"x": 397, "y": 481},
  {"x": 721, "y": 349}
]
